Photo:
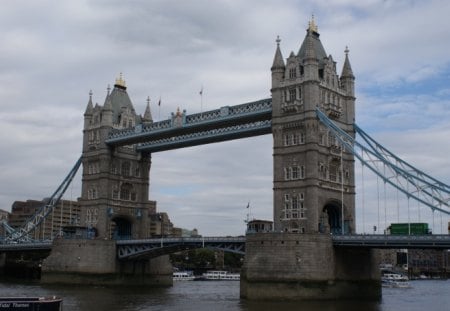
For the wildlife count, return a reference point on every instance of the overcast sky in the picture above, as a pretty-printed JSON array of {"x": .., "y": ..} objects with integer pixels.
[{"x": 52, "y": 53}]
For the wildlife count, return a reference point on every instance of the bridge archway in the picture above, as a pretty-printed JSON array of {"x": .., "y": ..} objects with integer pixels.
[
  {"x": 122, "y": 228},
  {"x": 333, "y": 212}
]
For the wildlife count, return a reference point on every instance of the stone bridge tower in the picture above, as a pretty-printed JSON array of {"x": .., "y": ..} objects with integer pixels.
[
  {"x": 314, "y": 188},
  {"x": 115, "y": 182}
]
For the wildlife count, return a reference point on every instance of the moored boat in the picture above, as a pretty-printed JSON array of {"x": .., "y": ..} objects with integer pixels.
[
  {"x": 394, "y": 280},
  {"x": 31, "y": 303},
  {"x": 221, "y": 275},
  {"x": 183, "y": 276}
]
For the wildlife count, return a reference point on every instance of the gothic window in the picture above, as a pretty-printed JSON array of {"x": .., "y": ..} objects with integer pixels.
[
  {"x": 114, "y": 168},
  {"x": 321, "y": 74},
  {"x": 287, "y": 139},
  {"x": 292, "y": 94},
  {"x": 115, "y": 194},
  {"x": 125, "y": 192},
  {"x": 334, "y": 170},
  {"x": 321, "y": 139},
  {"x": 287, "y": 173},
  {"x": 137, "y": 172},
  {"x": 302, "y": 172},
  {"x": 295, "y": 139},
  {"x": 302, "y": 70},
  {"x": 125, "y": 169},
  {"x": 294, "y": 202},
  {"x": 302, "y": 137},
  {"x": 92, "y": 193},
  {"x": 295, "y": 172},
  {"x": 292, "y": 73},
  {"x": 130, "y": 123}
]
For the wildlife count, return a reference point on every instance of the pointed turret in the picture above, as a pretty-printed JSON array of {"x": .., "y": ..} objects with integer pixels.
[
  {"x": 278, "y": 62},
  {"x": 107, "y": 111},
  {"x": 347, "y": 77},
  {"x": 347, "y": 68},
  {"x": 89, "y": 111},
  {"x": 147, "y": 118},
  {"x": 90, "y": 106},
  {"x": 278, "y": 66},
  {"x": 311, "y": 51}
]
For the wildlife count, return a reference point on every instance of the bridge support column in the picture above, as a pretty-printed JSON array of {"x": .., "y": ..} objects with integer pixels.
[
  {"x": 2, "y": 263},
  {"x": 95, "y": 262},
  {"x": 286, "y": 266}
]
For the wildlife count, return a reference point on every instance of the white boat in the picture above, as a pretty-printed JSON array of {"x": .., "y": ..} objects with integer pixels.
[
  {"x": 183, "y": 276},
  {"x": 221, "y": 275},
  {"x": 394, "y": 280}
]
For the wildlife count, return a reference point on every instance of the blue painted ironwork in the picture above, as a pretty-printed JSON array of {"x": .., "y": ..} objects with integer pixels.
[
  {"x": 441, "y": 241},
  {"x": 21, "y": 235},
  {"x": 28, "y": 246},
  {"x": 208, "y": 136},
  {"x": 409, "y": 180},
  {"x": 181, "y": 130},
  {"x": 150, "y": 248}
]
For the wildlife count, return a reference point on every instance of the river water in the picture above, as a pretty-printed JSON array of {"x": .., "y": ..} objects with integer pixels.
[{"x": 424, "y": 295}]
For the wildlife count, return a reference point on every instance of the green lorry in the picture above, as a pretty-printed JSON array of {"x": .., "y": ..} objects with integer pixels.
[{"x": 415, "y": 228}]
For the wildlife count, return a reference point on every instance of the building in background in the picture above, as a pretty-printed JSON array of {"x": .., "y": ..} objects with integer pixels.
[
  {"x": 66, "y": 213},
  {"x": 4, "y": 216}
]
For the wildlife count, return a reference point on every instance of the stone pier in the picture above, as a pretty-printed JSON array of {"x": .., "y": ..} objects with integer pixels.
[
  {"x": 95, "y": 262},
  {"x": 286, "y": 266}
]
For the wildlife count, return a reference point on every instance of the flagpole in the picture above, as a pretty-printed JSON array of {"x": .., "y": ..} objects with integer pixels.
[
  {"x": 201, "y": 103},
  {"x": 159, "y": 108}
]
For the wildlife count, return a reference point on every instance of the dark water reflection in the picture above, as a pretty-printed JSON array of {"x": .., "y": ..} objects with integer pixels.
[{"x": 427, "y": 295}]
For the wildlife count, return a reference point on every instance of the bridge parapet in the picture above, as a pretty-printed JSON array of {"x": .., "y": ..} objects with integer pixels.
[{"x": 432, "y": 241}]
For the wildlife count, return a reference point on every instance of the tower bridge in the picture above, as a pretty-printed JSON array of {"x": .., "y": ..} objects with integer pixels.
[{"x": 313, "y": 252}]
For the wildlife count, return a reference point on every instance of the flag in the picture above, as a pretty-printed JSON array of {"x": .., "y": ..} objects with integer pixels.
[
  {"x": 248, "y": 205},
  {"x": 201, "y": 91},
  {"x": 159, "y": 102}
]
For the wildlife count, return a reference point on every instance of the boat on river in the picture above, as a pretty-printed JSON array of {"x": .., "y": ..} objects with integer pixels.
[
  {"x": 31, "y": 303},
  {"x": 183, "y": 276},
  {"x": 395, "y": 280},
  {"x": 221, "y": 275}
]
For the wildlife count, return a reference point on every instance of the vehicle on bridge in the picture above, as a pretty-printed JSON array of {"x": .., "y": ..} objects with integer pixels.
[{"x": 418, "y": 228}]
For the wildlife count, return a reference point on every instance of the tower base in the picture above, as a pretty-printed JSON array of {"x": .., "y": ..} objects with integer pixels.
[
  {"x": 95, "y": 262},
  {"x": 286, "y": 266}
]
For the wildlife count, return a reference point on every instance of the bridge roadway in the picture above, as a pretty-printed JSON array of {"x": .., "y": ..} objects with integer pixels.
[{"x": 148, "y": 248}]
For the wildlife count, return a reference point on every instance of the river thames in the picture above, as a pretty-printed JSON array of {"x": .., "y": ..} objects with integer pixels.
[{"x": 429, "y": 295}]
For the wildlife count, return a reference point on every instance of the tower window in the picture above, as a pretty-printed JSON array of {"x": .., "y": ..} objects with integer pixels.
[
  {"x": 302, "y": 70},
  {"x": 125, "y": 170},
  {"x": 321, "y": 74},
  {"x": 292, "y": 73},
  {"x": 292, "y": 94}
]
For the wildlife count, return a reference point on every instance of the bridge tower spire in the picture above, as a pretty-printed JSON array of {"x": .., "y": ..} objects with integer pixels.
[
  {"x": 115, "y": 182},
  {"x": 313, "y": 176}
]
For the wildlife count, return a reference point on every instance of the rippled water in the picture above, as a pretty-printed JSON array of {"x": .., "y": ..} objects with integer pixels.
[{"x": 428, "y": 295}]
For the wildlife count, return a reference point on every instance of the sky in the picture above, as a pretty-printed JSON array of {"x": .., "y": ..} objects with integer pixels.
[{"x": 52, "y": 53}]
